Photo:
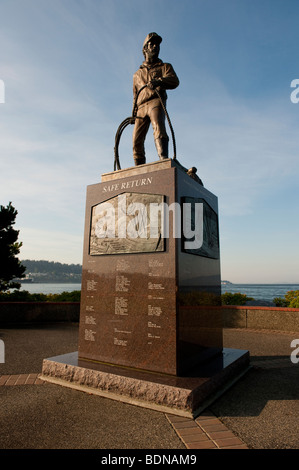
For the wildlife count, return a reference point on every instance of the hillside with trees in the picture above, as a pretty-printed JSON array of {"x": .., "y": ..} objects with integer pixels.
[{"x": 51, "y": 271}]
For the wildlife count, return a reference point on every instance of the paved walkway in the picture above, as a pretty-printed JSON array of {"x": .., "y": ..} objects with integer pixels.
[
  {"x": 259, "y": 412},
  {"x": 21, "y": 379},
  {"x": 205, "y": 432}
]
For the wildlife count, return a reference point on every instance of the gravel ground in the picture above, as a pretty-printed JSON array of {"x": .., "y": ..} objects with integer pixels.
[
  {"x": 262, "y": 408},
  {"x": 54, "y": 417}
]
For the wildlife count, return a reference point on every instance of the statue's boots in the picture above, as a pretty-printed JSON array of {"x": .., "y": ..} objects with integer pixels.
[
  {"x": 162, "y": 147},
  {"x": 139, "y": 159}
]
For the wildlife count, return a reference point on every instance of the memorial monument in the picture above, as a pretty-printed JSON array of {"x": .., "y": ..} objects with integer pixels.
[{"x": 150, "y": 318}]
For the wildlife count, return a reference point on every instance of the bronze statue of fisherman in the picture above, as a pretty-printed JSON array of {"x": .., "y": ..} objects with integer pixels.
[{"x": 152, "y": 75}]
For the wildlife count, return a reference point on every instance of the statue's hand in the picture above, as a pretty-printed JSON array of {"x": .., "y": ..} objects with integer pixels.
[{"x": 154, "y": 84}]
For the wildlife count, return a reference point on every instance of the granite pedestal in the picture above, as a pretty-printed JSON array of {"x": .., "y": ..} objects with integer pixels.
[{"x": 151, "y": 276}]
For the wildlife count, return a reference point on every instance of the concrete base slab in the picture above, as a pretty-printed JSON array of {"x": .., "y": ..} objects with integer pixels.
[{"x": 183, "y": 396}]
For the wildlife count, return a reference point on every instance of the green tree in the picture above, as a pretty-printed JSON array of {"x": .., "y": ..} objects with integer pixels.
[
  {"x": 290, "y": 300},
  {"x": 10, "y": 266}
]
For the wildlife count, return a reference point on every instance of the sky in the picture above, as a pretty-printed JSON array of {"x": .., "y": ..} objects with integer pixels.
[{"x": 66, "y": 69}]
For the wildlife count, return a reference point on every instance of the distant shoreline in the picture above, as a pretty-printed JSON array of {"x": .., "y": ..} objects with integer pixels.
[
  {"x": 49, "y": 282},
  {"x": 232, "y": 284}
]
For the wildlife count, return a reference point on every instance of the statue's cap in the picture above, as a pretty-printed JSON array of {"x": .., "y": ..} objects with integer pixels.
[{"x": 151, "y": 37}]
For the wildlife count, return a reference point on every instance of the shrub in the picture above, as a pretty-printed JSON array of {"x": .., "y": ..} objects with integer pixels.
[
  {"x": 234, "y": 299},
  {"x": 291, "y": 299},
  {"x": 73, "y": 296},
  {"x": 25, "y": 296},
  {"x": 280, "y": 302}
]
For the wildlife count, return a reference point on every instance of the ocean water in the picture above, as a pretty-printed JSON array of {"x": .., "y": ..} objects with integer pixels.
[
  {"x": 258, "y": 291},
  {"x": 48, "y": 288}
]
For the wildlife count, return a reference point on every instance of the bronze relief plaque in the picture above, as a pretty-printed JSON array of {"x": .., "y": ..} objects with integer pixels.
[
  {"x": 209, "y": 246},
  {"x": 127, "y": 223}
]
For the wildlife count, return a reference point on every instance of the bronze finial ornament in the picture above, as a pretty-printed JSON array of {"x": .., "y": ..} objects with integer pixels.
[{"x": 150, "y": 83}]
